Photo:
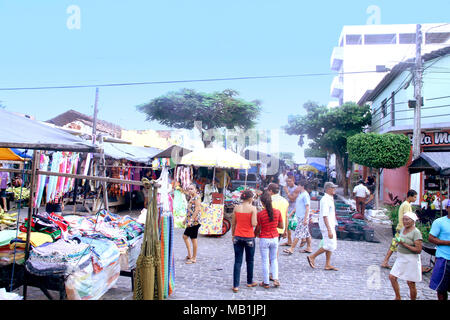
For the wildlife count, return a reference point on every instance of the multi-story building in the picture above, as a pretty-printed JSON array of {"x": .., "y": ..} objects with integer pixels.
[
  {"x": 365, "y": 53},
  {"x": 391, "y": 104}
]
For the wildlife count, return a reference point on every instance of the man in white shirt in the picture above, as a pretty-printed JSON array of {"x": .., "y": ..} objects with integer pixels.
[
  {"x": 361, "y": 193},
  {"x": 327, "y": 225},
  {"x": 282, "y": 181}
]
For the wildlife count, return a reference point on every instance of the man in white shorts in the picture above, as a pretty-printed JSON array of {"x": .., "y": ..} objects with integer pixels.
[{"x": 327, "y": 225}]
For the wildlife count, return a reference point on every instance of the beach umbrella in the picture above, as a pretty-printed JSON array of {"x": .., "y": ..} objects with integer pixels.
[
  {"x": 148, "y": 282},
  {"x": 308, "y": 168},
  {"x": 215, "y": 157}
]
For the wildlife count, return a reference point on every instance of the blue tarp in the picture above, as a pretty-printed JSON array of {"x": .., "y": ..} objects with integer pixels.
[
  {"x": 318, "y": 166},
  {"x": 22, "y": 153}
]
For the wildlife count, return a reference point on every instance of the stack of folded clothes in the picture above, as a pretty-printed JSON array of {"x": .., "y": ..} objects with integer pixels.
[
  {"x": 60, "y": 257},
  {"x": 8, "y": 256}
]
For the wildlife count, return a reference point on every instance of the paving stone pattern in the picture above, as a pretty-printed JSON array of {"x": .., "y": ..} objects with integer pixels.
[{"x": 359, "y": 276}]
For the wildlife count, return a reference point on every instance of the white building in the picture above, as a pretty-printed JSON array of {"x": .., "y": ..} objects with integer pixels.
[{"x": 362, "y": 48}]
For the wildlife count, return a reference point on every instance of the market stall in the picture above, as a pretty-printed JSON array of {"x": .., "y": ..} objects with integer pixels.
[
  {"x": 89, "y": 249},
  {"x": 435, "y": 169},
  {"x": 212, "y": 214}
]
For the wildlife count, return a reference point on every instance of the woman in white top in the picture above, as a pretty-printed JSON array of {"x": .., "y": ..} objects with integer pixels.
[{"x": 408, "y": 265}]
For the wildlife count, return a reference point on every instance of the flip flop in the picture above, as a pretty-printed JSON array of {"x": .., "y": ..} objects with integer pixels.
[
  {"x": 276, "y": 283},
  {"x": 289, "y": 252},
  {"x": 305, "y": 251},
  {"x": 310, "y": 263},
  {"x": 285, "y": 244},
  {"x": 191, "y": 261},
  {"x": 331, "y": 269},
  {"x": 265, "y": 286},
  {"x": 386, "y": 267},
  {"x": 426, "y": 270},
  {"x": 251, "y": 285}
]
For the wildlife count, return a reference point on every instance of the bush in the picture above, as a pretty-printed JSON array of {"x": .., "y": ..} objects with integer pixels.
[{"x": 424, "y": 229}]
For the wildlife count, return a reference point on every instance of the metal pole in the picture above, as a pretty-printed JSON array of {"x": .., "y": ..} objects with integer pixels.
[
  {"x": 94, "y": 124},
  {"x": 34, "y": 166},
  {"x": 417, "y": 93}
]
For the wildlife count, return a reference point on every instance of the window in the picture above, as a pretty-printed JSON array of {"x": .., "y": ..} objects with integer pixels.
[
  {"x": 353, "y": 39},
  {"x": 437, "y": 37},
  {"x": 407, "y": 38},
  {"x": 393, "y": 109},
  {"x": 380, "y": 38},
  {"x": 383, "y": 108}
]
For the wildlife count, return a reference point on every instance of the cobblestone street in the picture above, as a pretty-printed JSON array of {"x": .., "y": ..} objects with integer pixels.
[{"x": 359, "y": 276}]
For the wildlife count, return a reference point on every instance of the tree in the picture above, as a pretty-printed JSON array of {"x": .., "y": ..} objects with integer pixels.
[
  {"x": 315, "y": 153},
  {"x": 182, "y": 109},
  {"x": 379, "y": 151},
  {"x": 330, "y": 128}
]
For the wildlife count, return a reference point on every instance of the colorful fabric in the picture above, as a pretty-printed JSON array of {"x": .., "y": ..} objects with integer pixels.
[{"x": 211, "y": 219}]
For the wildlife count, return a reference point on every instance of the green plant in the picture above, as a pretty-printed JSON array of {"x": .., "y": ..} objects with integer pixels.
[
  {"x": 392, "y": 213},
  {"x": 424, "y": 229}
]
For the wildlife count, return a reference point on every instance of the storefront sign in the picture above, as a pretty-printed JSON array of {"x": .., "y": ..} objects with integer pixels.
[{"x": 430, "y": 139}]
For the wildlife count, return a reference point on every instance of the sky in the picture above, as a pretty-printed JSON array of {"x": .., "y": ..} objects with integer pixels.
[{"x": 47, "y": 43}]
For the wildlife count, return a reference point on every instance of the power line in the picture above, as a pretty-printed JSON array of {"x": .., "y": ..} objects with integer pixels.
[{"x": 181, "y": 81}]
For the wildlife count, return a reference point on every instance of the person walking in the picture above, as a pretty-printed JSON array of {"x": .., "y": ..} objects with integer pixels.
[
  {"x": 289, "y": 191},
  {"x": 192, "y": 223},
  {"x": 411, "y": 197},
  {"x": 333, "y": 175},
  {"x": 279, "y": 203},
  {"x": 408, "y": 264},
  {"x": 242, "y": 230},
  {"x": 282, "y": 181},
  {"x": 269, "y": 219},
  {"x": 302, "y": 233},
  {"x": 3, "y": 186},
  {"x": 440, "y": 236},
  {"x": 327, "y": 225},
  {"x": 361, "y": 194}
]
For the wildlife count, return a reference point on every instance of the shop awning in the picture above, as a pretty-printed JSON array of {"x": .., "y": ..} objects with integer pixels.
[
  {"x": 432, "y": 163},
  {"x": 6, "y": 154},
  {"x": 121, "y": 151},
  {"x": 318, "y": 166},
  {"x": 24, "y": 133},
  {"x": 168, "y": 152}
]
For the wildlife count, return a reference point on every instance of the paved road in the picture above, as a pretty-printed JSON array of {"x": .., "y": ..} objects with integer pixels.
[{"x": 359, "y": 276}]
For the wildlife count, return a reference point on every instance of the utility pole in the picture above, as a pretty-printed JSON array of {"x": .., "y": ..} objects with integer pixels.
[
  {"x": 94, "y": 124},
  {"x": 417, "y": 93}
]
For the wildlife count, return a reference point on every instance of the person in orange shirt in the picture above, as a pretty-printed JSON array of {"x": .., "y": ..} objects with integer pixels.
[{"x": 242, "y": 230}]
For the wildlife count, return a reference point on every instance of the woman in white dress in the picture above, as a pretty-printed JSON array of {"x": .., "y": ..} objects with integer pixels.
[{"x": 408, "y": 265}]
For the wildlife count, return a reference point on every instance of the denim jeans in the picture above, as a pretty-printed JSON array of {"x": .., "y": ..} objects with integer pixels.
[
  {"x": 240, "y": 244},
  {"x": 268, "y": 248}
]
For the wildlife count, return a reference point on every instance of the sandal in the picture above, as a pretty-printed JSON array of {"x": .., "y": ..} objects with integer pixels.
[
  {"x": 276, "y": 283},
  {"x": 310, "y": 263},
  {"x": 288, "y": 251},
  {"x": 235, "y": 290},
  {"x": 264, "y": 285},
  {"x": 187, "y": 258},
  {"x": 191, "y": 261},
  {"x": 305, "y": 251},
  {"x": 251, "y": 285}
]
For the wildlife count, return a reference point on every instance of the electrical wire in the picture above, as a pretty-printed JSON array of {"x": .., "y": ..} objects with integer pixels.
[{"x": 181, "y": 81}]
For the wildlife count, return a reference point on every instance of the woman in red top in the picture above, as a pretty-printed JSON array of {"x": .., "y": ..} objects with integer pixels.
[
  {"x": 243, "y": 223},
  {"x": 269, "y": 220}
]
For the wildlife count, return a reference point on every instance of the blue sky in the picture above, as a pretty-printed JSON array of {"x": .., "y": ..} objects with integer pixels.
[{"x": 135, "y": 41}]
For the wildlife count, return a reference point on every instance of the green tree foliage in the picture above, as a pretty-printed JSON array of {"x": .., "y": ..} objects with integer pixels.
[
  {"x": 215, "y": 110},
  {"x": 330, "y": 128},
  {"x": 379, "y": 151},
  {"x": 314, "y": 153},
  {"x": 388, "y": 150}
]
